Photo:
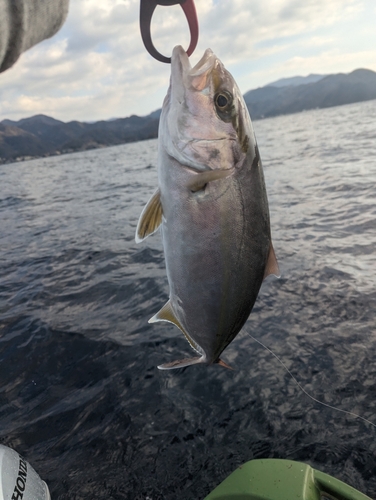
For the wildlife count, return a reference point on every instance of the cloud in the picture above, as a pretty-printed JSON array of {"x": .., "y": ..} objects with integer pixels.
[
  {"x": 96, "y": 67},
  {"x": 344, "y": 63},
  {"x": 272, "y": 20}
]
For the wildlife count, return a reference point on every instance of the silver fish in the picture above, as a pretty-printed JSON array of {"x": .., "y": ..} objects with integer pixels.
[{"x": 212, "y": 206}]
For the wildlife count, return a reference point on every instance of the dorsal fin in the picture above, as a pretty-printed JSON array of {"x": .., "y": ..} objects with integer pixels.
[
  {"x": 272, "y": 264},
  {"x": 150, "y": 218},
  {"x": 167, "y": 314}
]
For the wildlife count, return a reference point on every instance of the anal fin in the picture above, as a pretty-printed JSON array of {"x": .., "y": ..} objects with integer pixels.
[
  {"x": 167, "y": 314},
  {"x": 150, "y": 218}
]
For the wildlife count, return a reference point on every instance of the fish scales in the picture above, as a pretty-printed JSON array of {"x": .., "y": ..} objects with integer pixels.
[{"x": 212, "y": 206}]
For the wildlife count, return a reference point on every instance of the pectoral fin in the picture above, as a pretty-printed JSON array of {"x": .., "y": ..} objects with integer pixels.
[
  {"x": 272, "y": 264},
  {"x": 150, "y": 218},
  {"x": 199, "y": 181}
]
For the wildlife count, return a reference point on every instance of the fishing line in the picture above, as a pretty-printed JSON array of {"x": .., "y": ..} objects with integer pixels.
[{"x": 306, "y": 393}]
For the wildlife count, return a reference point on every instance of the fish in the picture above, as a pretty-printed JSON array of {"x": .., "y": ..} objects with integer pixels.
[{"x": 211, "y": 205}]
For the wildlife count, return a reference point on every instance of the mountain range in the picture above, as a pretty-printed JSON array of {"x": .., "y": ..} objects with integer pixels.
[
  {"x": 328, "y": 91},
  {"x": 42, "y": 135}
]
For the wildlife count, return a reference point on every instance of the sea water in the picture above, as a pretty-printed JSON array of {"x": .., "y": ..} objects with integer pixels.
[{"x": 80, "y": 395}]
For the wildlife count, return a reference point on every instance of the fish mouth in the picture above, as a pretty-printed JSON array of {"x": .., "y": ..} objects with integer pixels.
[
  {"x": 183, "y": 74},
  {"x": 196, "y": 136},
  {"x": 179, "y": 62}
]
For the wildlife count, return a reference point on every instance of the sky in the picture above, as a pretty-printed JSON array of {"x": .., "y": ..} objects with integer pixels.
[{"x": 96, "y": 67}]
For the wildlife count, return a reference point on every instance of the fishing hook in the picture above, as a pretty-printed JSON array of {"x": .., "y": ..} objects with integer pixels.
[{"x": 147, "y": 8}]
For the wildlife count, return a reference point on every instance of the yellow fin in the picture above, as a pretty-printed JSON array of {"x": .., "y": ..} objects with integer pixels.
[
  {"x": 150, "y": 218},
  {"x": 272, "y": 264},
  {"x": 167, "y": 314}
]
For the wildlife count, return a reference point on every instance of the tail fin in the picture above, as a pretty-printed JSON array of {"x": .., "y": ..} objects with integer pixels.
[
  {"x": 182, "y": 363},
  {"x": 225, "y": 365}
]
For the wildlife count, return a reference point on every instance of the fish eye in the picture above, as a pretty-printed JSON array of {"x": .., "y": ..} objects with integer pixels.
[{"x": 223, "y": 100}]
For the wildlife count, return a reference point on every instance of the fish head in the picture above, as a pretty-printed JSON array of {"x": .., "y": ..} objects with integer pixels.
[{"x": 204, "y": 123}]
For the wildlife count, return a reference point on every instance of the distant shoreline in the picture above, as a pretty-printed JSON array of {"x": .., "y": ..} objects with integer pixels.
[
  {"x": 62, "y": 153},
  {"x": 42, "y": 136}
]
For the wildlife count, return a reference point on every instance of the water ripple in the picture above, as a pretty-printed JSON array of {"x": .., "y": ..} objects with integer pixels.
[{"x": 80, "y": 395}]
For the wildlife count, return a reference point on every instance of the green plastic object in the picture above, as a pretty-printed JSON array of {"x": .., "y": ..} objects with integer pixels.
[{"x": 275, "y": 479}]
